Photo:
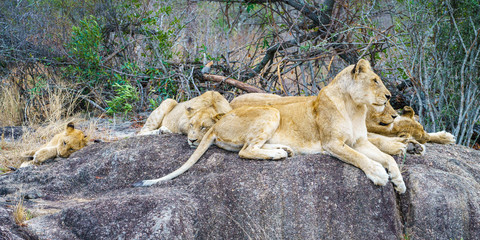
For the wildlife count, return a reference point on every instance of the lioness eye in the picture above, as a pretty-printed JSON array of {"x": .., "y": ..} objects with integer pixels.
[{"x": 375, "y": 80}]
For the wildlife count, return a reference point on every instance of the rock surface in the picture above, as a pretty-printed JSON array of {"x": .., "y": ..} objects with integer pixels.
[
  {"x": 11, "y": 133},
  {"x": 89, "y": 196}
]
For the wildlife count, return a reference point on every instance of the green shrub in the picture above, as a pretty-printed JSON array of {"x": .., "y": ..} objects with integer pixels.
[
  {"x": 126, "y": 95},
  {"x": 85, "y": 47}
]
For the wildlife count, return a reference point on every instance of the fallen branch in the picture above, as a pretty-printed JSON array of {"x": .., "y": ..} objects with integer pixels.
[
  {"x": 92, "y": 102},
  {"x": 233, "y": 82},
  {"x": 117, "y": 51}
]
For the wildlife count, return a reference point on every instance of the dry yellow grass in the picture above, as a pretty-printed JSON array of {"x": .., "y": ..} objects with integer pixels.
[
  {"x": 11, "y": 106},
  {"x": 46, "y": 104},
  {"x": 56, "y": 103},
  {"x": 20, "y": 214}
]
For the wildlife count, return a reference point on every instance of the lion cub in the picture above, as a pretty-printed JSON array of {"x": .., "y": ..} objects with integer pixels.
[
  {"x": 407, "y": 126},
  {"x": 61, "y": 145},
  {"x": 332, "y": 122}
]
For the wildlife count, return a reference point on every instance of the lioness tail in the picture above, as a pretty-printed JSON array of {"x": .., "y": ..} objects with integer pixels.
[{"x": 207, "y": 141}]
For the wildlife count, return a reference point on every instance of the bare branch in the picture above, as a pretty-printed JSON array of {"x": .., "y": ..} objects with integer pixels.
[{"x": 233, "y": 82}]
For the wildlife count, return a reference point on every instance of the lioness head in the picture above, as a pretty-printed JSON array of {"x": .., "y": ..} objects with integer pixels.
[
  {"x": 200, "y": 122},
  {"x": 367, "y": 87},
  {"x": 71, "y": 141},
  {"x": 407, "y": 126}
]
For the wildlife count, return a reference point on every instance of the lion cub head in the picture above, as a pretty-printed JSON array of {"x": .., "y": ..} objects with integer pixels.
[
  {"x": 380, "y": 122},
  {"x": 70, "y": 141},
  {"x": 408, "y": 126},
  {"x": 201, "y": 120},
  {"x": 366, "y": 87},
  {"x": 389, "y": 123}
]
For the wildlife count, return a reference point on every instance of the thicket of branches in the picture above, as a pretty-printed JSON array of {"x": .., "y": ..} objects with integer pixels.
[
  {"x": 127, "y": 56},
  {"x": 439, "y": 49}
]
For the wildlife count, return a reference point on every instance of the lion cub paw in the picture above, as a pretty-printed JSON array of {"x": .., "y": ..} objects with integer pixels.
[
  {"x": 27, "y": 163},
  {"x": 414, "y": 147},
  {"x": 446, "y": 137},
  {"x": 377, "y": 174}
]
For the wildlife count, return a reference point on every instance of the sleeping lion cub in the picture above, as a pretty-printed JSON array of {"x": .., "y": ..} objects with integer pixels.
[{"x": 61, "y": 145}]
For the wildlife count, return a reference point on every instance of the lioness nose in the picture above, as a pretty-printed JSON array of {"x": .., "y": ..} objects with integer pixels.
[
  {"x": 388, "y": 96},
  {"x": 394, "y": 116},
  {"x": 192, "y": 140}
]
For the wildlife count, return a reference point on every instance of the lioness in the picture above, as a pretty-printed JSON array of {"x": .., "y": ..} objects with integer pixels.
[
  {"x": 61, "y": 145},
  {"x": 404, "y": 129},
  {"x": 333, "y": 122},
  {"x": 390, "y": 145},
  {"x": 174, "y": 117}
]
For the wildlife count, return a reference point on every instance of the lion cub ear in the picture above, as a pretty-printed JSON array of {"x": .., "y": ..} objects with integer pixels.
[
  {"x": 190, "y": 111},
  {"x": 408, "y": 112},
  {"x": 70, "y": 127},
  {"x": 218, "y": 117},
  {"x": 361, "y": 66}
]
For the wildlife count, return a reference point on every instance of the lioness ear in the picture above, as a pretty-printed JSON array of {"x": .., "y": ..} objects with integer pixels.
[
  {"x": 408, "y": 112},
  {"x": 354, "y": 69},
  {"x": 70, "y": 127},
  {"x": 218, "y": 116},
  {"x": 361, "y": 66}
]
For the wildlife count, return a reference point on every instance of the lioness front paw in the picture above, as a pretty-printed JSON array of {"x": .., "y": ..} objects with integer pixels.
[
  {"x": 377, "y": 174},
  {"x": 164, "y": 129},
  {"x": 399, "y": 186},
  {"x": 279, "y": 154},
  {"x": 152, "y": 132},
  {"x": 400, "y": 148},
  {"x": 288, "y": 150}
]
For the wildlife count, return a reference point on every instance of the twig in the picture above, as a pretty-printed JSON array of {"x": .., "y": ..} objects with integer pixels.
[
  {"x": 117, "y": 51},
  {"x": 92, "y": 102},
  {"x": 233, "y": 82}
]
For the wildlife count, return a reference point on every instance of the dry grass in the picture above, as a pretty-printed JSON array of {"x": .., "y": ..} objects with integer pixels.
[
  {"x": 11, "y": 106},
  {"x": 20, "y": 214},
  {"x": 45, "y": 104},
  {"x": 54, "y": 104}
]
